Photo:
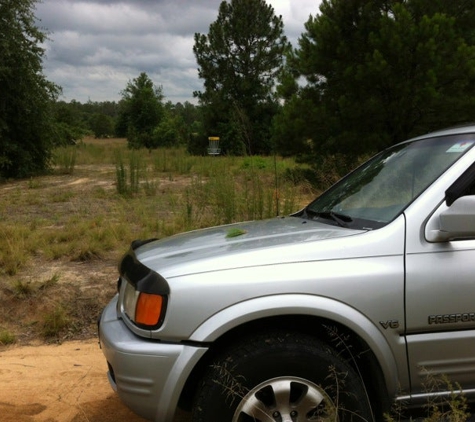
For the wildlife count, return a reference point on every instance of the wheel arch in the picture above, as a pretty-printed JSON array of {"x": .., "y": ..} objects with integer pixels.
[{"x": 344, "y": 329}]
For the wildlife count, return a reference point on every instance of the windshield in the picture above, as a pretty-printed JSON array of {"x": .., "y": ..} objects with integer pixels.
[{"x": 377, "y": 192}]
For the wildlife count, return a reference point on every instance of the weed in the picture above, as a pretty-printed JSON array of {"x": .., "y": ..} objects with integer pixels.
[
  {"x": 343, "y": 345},
  {"x": 54, "y": 322},
  {"x": 98, "y": 192},
  {"x": 121, "y": 174},
  {"x": 27, "y": 289},
  {"x": 255, "y": 162},
  {"x": 438, "y": 408},
  {"x": 65, "y": 159},
  {"x": 62, "y": 196},
  {"x": 135, "y": 164},
  {"x": 150, "y": 187},
  {"x": 22, "y": 289},
  {"x": 231, "y": 383},
  {"x": 189, "y": 214},
  {"x": 397, "y": 413},
  {"x": 337, "y": 388},
  {"x": 453, "y": 408},
  {"x": 6, "y": 337},
  {"x": 173, "y": 160},
  {"x": 223, "y": 196},
  {"x": 49, "y": 282},
  {"x": 99, "y": 151},
  {"x": 88, "y": 253},
  {"x": 289, "y": 204},
  {"x": 128, "y": 180},
  {"x": 34, "y": 183}
]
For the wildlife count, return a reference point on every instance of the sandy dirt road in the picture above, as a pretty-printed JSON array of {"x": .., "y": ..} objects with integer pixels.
[{"x": 60, "y": 383}]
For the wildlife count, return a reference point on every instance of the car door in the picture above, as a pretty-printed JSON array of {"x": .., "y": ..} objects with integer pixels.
[{"x": 440, "y": 293}]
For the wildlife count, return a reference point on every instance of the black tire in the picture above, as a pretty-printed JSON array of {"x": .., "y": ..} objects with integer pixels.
[{"x": 279, "y": 376}]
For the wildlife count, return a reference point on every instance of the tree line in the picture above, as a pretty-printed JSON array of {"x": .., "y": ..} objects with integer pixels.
[
  {"x": 365, "y": 74},
  {"x": 169, "y": 125}
]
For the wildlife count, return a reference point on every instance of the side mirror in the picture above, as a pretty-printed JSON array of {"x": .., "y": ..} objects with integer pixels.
[{"x": 457, "y": 222}]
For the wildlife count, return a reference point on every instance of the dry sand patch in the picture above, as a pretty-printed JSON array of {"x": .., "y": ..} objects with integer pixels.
[{"x": 60, "y": 383}]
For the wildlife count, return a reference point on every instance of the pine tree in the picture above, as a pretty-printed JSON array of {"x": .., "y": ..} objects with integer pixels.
[
  {"x": 381, "y": 71},
  {"x": 141, "y": 111},
  {"x": 238, "y": 60}
]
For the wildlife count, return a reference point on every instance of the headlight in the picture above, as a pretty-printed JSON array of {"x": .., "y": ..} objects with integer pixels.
[
  {"x": 144, "y": 300},
  {"x": 130, "y": 301}
]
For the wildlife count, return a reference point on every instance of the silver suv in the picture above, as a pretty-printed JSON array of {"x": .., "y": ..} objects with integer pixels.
[{"x": 336, "y": 311}]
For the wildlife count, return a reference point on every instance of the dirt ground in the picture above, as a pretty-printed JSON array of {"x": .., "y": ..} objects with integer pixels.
[{"x": 60, "y": 383}]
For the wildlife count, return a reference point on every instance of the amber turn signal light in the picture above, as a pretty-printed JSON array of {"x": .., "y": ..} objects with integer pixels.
[{"x": 149, "y": 309}]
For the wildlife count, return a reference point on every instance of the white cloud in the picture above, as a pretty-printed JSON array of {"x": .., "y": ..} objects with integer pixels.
[
  {"x": 295, "y": 14},
  {"x": 97, "y": 46}
]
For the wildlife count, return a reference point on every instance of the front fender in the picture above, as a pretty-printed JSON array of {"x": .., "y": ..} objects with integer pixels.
[{"x": 390, "y": 359}]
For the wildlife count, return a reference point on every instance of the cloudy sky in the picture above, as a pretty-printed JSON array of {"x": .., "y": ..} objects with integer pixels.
[{"x": 97, "y": 46}]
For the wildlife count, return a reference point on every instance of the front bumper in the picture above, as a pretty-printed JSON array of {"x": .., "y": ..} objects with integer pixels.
[{"x": 147, "y": 375}]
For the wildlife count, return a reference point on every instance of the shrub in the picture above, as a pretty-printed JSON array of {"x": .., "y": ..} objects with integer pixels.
[
  {"x": 6, "y": 337},
  {"x": 54, "y": 322}
]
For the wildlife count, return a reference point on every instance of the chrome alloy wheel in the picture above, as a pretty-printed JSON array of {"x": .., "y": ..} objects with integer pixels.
[{"x": 286, "y": 399}]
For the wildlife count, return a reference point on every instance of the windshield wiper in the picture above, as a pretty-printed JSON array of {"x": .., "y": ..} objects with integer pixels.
[{"x": 341, "y": 219}]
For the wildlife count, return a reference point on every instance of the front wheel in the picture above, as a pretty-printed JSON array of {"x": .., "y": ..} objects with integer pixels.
[{"x": 280, "y": 377}]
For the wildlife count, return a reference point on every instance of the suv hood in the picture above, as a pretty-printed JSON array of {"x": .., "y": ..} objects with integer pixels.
[{"x": 237, "y": 245}]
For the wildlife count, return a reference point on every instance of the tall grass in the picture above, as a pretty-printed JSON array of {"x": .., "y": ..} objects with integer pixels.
[
  {"x": 65, "y": 159},
  {"x": 120, "y": 174},
  {"x": 14, "y": 249},
  {"x": 93, "y": 152},
  {"x": 116, "y": 195}
]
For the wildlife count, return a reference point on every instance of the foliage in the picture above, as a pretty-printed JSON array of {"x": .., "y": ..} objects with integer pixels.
[
  {"x": 235, "y": 232},
  {"x": 100, "y": 118},
  {"x": 74, "y": 120},
  {"x": 141, "y": 111},
  {"x": 102, "y": 125},
  {"x": 189, "y": 113},
  {"x": 107, "y": 119},
  {"x": 378, "y": 72},
  {"x": 291, "y": 131},
  {"x": 170, "y": 132},
  {"x": 6, "y": 338},
  {"x": 451, "y": 408},
  {"x": 70, "y": 126},
  {"x": 54, "y": 322},
  {"x": 238, "y": 60},
  {"x": 26, "y": 119}
]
